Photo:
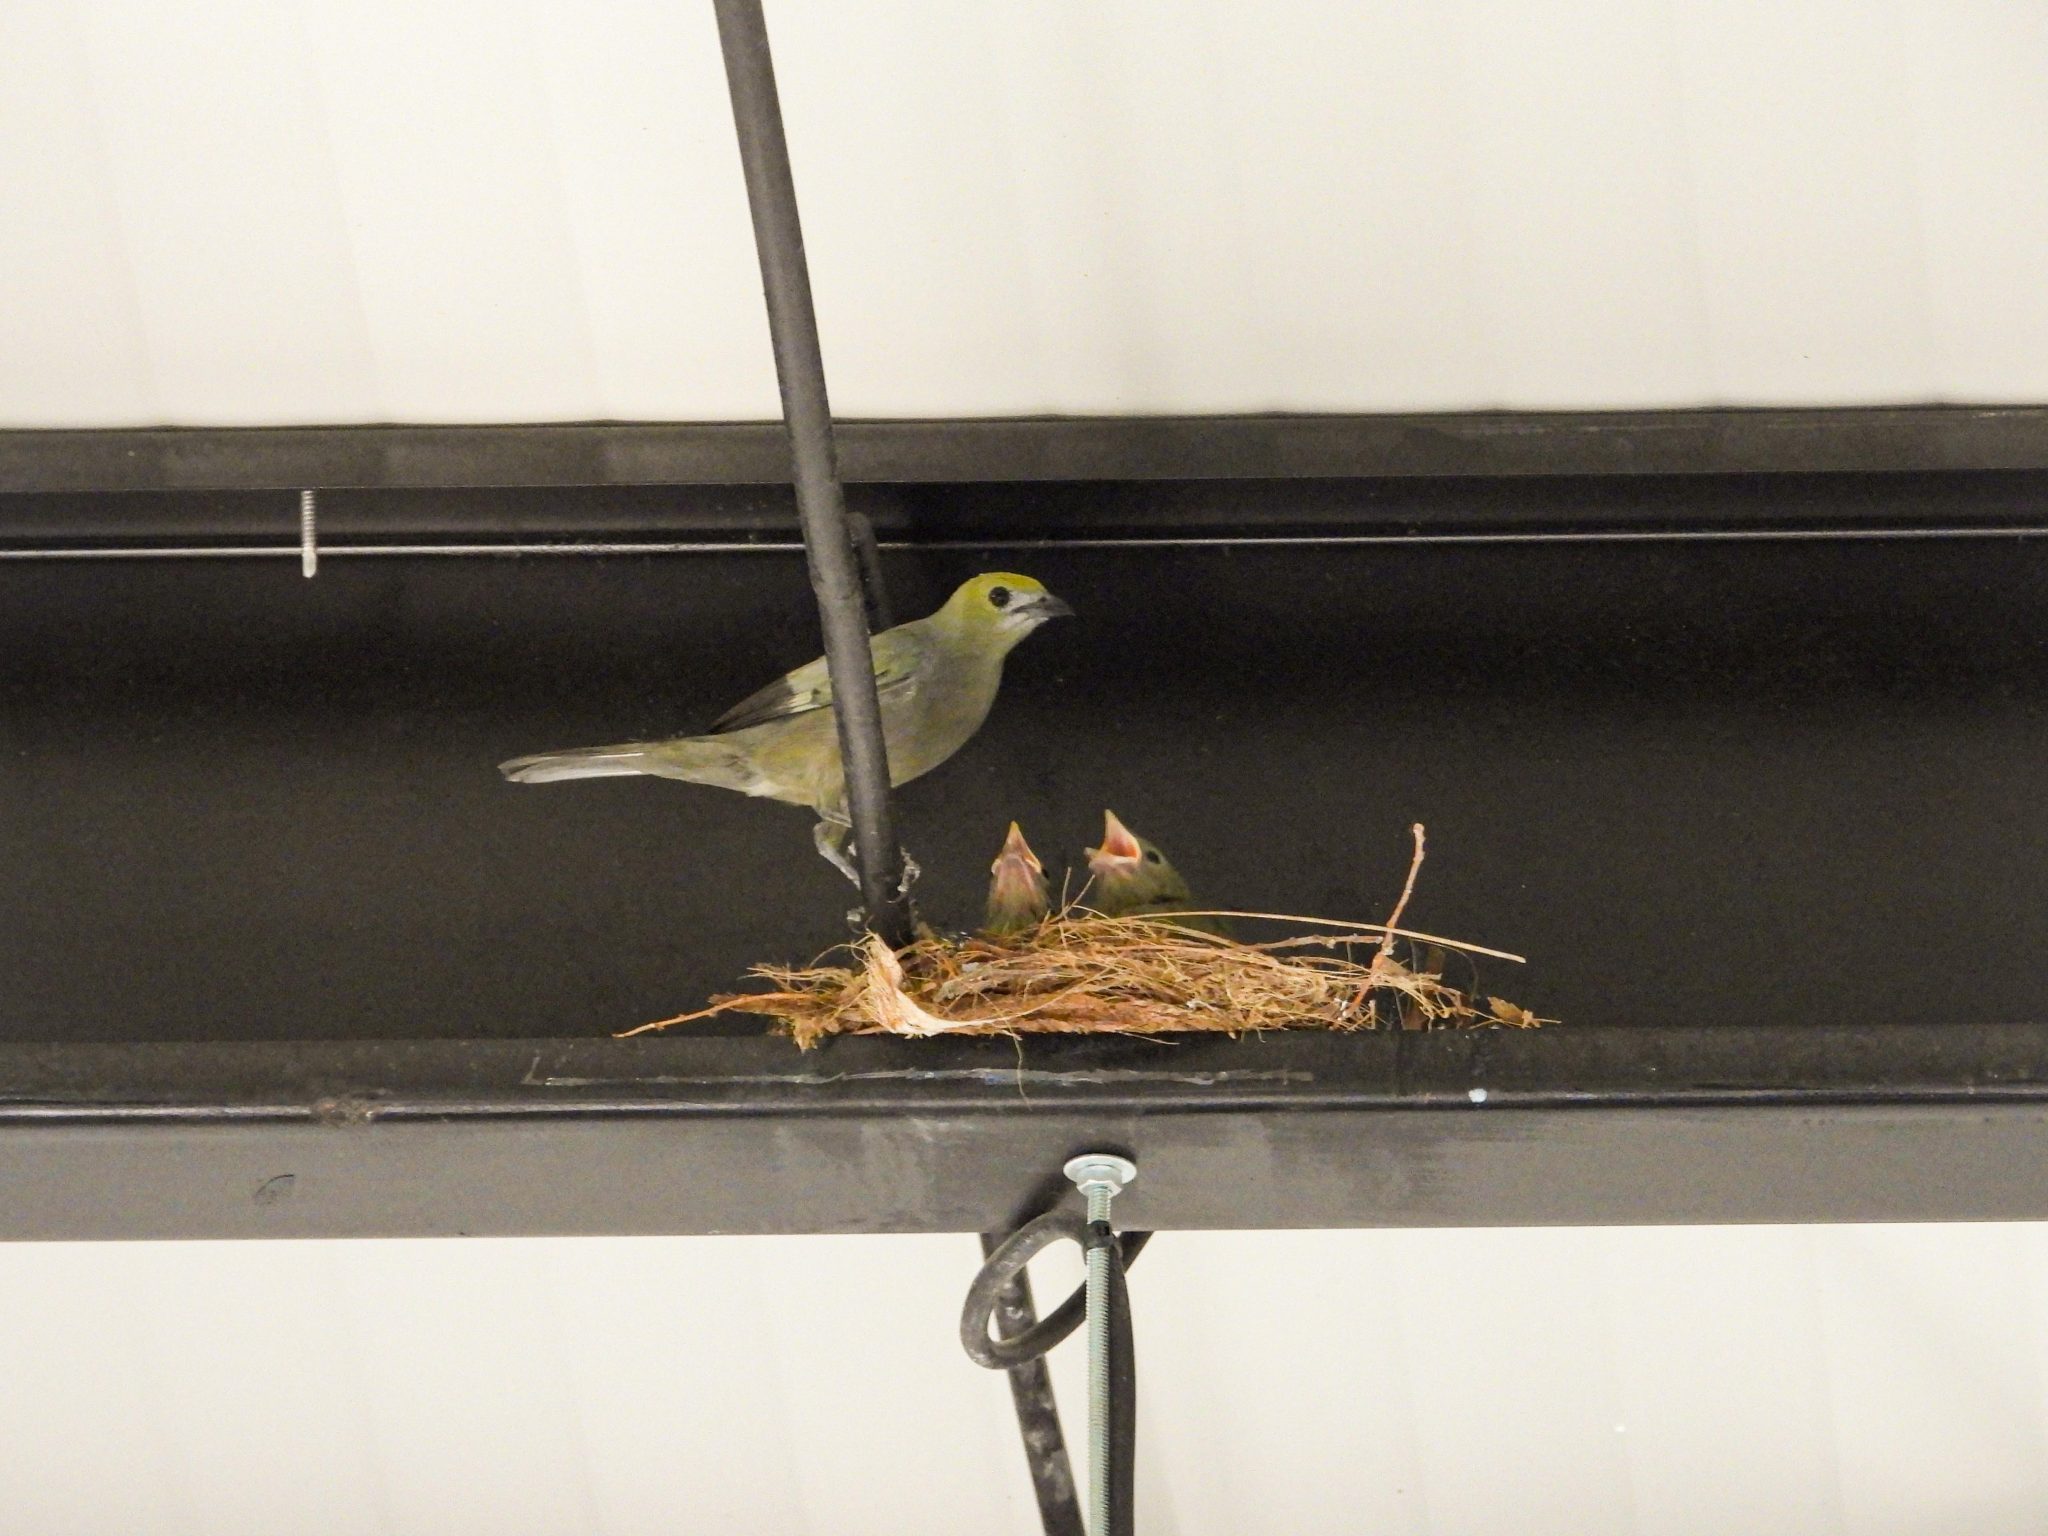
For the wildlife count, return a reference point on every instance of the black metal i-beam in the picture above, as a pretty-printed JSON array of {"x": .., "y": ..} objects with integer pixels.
[
  {"x": 1566, "y": 1126},
  {"x": 828, "y": 540}
]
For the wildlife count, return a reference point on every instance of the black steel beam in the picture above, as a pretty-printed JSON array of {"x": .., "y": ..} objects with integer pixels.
[
  {"x": 729, "y": 518},
  {"x": 1656, "y": 1126},
  {"x": 1887, "y": 439},
  {"x": 828, "y": 539},
  {"x": 1694, "y": 783}
]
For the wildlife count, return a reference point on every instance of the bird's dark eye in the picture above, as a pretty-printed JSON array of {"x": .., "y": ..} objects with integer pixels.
[
  {"x": 1151, "y": 855},
  {"x": 1000, "y": 596}
]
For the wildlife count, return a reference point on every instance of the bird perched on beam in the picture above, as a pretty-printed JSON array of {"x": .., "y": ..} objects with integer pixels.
[
  {"x": 936, "y": 678},
  {"x": 1017, "y": 894},
  {"x": 1132, "y": 878}
]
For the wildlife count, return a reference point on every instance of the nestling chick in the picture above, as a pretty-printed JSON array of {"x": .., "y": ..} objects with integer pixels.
[
  {"x": 1132, "y": 878},
  {"x": 936, "y": 677},
  {"x": 1017, "y": 894}
]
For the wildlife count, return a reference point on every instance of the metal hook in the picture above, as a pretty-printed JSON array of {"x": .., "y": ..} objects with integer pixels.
[{"x": 309, "y": 533}]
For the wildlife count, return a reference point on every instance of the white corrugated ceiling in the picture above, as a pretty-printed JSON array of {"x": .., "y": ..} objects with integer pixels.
[
  {"x": 1677, "y": 1382},
  {"x": 425, "y": 210}
]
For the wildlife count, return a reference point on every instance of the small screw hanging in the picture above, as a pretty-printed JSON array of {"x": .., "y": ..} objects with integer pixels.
[{"x": 309, "y": 533}]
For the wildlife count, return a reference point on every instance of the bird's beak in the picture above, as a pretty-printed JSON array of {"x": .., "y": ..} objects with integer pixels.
[
  {"x": 1043, "y": 605},
  {"x": 1119, "y": 847},
  {"x": 1016, "y": 851}
]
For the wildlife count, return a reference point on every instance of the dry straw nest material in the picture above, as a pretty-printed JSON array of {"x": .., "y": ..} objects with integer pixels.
[{"x": 1079, "y": 972}]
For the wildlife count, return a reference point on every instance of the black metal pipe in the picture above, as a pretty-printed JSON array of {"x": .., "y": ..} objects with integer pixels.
[
  {"x": 867, "y": 550},
  {"x": 828, "y": 541},
  {"x": 1038, "y": 1413}
]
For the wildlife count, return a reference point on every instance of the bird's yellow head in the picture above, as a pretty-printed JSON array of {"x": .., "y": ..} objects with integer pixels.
[{"x": 1001, "y": 606}]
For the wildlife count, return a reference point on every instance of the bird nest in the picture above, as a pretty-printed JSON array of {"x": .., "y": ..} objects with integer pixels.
[{"x": 1078, "y": 972}]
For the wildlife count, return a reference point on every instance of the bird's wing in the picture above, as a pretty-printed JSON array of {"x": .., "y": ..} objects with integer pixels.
[{"x": 900, "y": 659}]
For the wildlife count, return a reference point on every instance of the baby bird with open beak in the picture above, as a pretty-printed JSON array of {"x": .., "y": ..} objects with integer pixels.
[
  {"x": 1017, "y": 894},
  {"x": 1132, "y": 878}
]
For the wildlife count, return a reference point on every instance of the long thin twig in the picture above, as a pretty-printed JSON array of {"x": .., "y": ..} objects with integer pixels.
[
  {"x": 1407, "y": 890},
  {"x": 1360, "y": 929}
]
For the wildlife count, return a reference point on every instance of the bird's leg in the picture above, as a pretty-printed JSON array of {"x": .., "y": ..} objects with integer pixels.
[{"x": 835, "y": 842}]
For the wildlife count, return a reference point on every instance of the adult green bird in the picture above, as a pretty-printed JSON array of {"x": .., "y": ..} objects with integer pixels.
[
  {"x": 1132, "y": 878},
  {"x": 1017, "y": 894},
  {"x": 936, "y": 677}
]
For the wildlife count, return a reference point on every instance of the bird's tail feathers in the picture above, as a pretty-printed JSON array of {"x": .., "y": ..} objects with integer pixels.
[
  {"x": 583, "y": 763},
  {"x": 695, "y": 759}
]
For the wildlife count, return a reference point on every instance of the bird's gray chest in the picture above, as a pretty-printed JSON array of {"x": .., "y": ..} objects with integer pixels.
[{"x": 932, "y": 719}]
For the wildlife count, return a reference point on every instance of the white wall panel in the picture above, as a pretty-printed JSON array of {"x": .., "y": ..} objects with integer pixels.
[
  {"x": 230, "y": 213},
  {"x": 1667, "y": 1382},
  {"x": 1809, "y": 219},
  {"x": 339, "y": 210},
  {"x": 72, "y": 343}
]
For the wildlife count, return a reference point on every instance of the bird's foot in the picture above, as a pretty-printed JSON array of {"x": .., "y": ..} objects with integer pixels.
[
  {"x": 858, "y": 923},
  {"x": 836, "y": 844},
  {"x": 910, "y": 874}
]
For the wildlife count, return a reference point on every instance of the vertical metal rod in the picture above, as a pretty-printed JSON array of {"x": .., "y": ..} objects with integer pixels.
[
  {"x": 1101, "y": 1176},
  {"x": 828, "y": 544},
  {"x": 1038, "y": 1412},
  {"x": 868, "y": 551},
  {"x": 1099, "y": 1470}
]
